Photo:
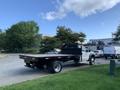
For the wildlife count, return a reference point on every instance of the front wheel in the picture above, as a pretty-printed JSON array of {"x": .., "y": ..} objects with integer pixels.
[
  {"x": 54, "y": 67},
  {"x": 92, "y": 60},
  {"x": 106, "y": 57}
]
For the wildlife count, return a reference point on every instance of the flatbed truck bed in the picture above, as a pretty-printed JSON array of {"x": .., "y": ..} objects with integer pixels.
[{"x": 46, "y": 55}]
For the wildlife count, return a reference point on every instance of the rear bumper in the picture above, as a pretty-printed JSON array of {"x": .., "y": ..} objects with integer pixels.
[
  {"x": 109, "y": 55},
  {"x": 28, "y": 59},
  {"x": 112, "y": 55}
]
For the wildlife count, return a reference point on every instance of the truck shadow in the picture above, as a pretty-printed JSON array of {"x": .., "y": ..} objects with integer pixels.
[
  {"x": 24, "y": 71},
  {"x": 73, "y": 65},
  {"x": 27, "y": 71}
]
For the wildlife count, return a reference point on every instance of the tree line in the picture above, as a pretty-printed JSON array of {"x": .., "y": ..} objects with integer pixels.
[{"x": 24, "y": 37}]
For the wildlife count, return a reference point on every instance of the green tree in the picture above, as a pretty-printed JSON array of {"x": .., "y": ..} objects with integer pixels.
[
  {"x": 79, "y": 37},
  {"x": 0, "y": 30},
  {"x": 2, "y": 40},
  {"x": 22, "y": 37},
  {"x": 66, "y": 35},
  {"x": 100, "y": 45},
  {"x": 49, "y": 43},
  {"x": 117, "y": 34}
]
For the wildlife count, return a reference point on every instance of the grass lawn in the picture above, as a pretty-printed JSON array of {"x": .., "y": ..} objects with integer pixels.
[{"x": 93, "y": 78}]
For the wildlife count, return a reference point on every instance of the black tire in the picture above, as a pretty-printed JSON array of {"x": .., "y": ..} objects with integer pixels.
[
  {"x": 106, "y": 57},
  {"x": 113, "y": 57},
  {"x": 27, "y": 65},
  {"x": 116, "y": 57},
  {"x": 92, "y": 60},
  {"x": 54, "y": 67},
  {"x": 40, "y": 67}
]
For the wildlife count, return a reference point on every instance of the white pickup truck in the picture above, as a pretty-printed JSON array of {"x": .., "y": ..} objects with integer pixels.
[{"x": 53, "y": 62}]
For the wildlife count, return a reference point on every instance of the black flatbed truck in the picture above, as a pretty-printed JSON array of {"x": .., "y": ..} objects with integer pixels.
[{"x": 53, "y": 62}]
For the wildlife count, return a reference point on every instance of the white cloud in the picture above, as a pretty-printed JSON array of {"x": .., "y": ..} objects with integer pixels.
[{"x": 80, "y": 7}]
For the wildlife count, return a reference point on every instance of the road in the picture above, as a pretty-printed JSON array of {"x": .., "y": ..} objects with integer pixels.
[{"x": 12, "y": 70}]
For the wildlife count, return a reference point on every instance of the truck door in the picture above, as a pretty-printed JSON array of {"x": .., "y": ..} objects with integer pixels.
[{"x": 85, "y": 55}]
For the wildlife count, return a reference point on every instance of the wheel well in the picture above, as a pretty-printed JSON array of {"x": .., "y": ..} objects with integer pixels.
[{"x": 92, "y": 56}]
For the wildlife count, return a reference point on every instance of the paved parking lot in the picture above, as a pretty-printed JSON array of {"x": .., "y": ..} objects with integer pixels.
[{"x": 12, "y": 70}]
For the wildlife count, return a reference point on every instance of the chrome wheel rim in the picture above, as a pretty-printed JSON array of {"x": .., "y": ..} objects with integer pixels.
[
  {"x": 92, "y": 59},
  {"x": 57, "y": 67}
]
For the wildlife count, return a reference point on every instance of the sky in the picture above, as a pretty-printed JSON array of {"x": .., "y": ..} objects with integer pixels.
[{"x": 96, "y": 18}]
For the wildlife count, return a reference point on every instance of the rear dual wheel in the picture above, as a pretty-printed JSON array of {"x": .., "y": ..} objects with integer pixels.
[{"x": 54, "y": 67}]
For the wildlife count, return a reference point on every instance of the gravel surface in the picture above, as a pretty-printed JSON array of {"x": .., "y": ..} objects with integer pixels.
[{"x": 12, "y": 70}]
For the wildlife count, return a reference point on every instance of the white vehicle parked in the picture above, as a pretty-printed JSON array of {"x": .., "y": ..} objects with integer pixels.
[
  {"x": 111, "y": 51},
  {"x": 98, "y": 53}
]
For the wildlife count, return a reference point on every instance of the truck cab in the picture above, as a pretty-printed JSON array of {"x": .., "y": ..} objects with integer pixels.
[{"x": 86, "y": 54}]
